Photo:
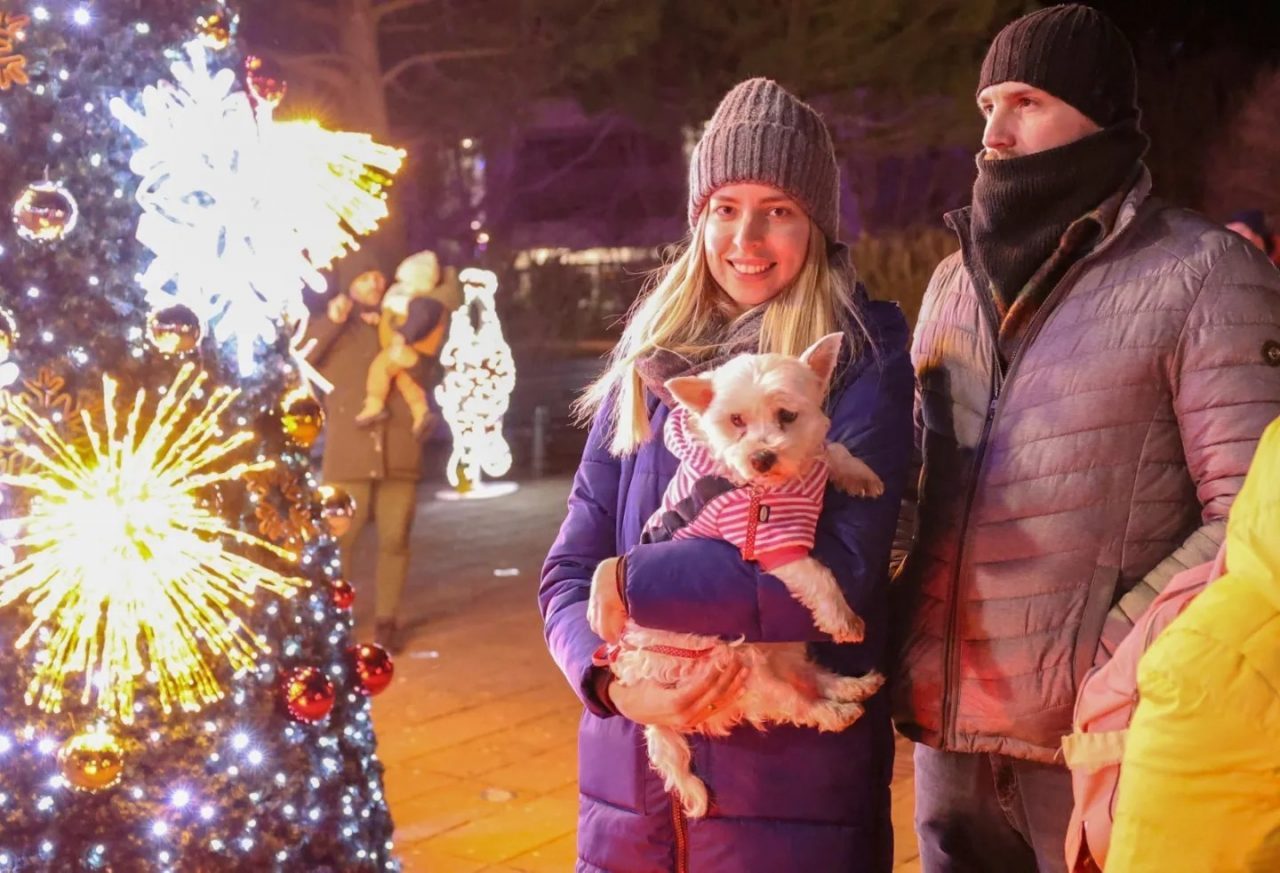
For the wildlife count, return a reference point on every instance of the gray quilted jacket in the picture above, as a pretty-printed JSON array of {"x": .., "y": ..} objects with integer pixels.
[{"x": 1058, "y": 497}]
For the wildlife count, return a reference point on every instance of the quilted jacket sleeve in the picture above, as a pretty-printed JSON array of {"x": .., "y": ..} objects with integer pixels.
[
  {"x": 905, "y": 531},
  {"x": 1226, "y": 380},
  {"x": 704, "y": 586},
  {"x": 324, "y": 332},
  {"x": 908, "y": 517},
  {"x": 587, "y": 536}
]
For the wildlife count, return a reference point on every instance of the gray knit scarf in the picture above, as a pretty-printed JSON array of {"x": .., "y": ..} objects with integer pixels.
[{"x": 729, "y": 339}]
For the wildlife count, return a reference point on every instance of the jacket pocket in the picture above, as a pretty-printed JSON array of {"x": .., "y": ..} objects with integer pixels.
[
  {"x": 1096, "y": 606},
  {"x": 612, "y": 762},
  {"x": 793, "y": 774}
]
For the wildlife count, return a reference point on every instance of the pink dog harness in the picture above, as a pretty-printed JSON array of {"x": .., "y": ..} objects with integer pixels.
[{"x": 771, "y": 525}]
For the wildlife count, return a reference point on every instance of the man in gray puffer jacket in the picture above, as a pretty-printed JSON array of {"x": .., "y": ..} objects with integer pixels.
[{"x": 1095, "y": 369}]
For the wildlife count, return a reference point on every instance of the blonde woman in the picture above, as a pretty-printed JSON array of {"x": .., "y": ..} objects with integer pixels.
[{"x": 761, "y": 272}]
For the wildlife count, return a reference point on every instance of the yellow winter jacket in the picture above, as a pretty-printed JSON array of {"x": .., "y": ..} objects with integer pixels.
[{"x": 1200, "y": 785}]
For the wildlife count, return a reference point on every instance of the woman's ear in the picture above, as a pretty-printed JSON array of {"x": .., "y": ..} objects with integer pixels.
[
  {"x": 821, "y": 357},
  {"x": 692, "y": 392}
]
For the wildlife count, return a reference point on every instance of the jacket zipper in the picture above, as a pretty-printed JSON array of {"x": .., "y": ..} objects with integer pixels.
[
  {"x": 682, "y": 836},
  {"x": 950, "y": 697},
  {"x": 1001, "y": 376}
]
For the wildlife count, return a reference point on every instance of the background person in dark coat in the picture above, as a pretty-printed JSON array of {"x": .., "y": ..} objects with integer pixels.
[{"x": 378, "y": 464}]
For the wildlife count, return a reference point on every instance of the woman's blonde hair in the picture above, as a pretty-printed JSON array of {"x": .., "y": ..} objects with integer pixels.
[{"x": 682, "y": 311}]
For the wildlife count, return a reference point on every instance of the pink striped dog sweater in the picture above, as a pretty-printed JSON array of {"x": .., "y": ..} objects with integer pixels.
[{"x": 770, "y": 525}]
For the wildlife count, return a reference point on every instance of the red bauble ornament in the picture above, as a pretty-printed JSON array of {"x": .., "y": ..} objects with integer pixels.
[
  {"x": 372, "y": 666},
  {"x": 342, "y": 593},
  {"x": 308, "y": 694},
  {"x": 265, "y": 80}
]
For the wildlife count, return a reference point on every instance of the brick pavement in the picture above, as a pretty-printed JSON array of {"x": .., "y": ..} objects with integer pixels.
[{"x": 478, "y": 730}]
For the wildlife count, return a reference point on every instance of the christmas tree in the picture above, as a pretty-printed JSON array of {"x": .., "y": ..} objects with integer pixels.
[{"x": 179, "y": 685}]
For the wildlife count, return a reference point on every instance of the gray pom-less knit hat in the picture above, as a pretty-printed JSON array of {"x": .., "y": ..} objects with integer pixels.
[
  {"x": 762, "y": 133},
  {"x": 1075, "y": 53}
]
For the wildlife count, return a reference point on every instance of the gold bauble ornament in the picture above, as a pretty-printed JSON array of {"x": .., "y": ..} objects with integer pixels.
[
  {"x": 214, "y": 30},
  {"x": 45, "y": 212},
  {"x": 337, "y": 508},
  {"x": 92, "y": 760},
  {"x": 174, "y": 330},
  {"x": 302, "y": 418}
]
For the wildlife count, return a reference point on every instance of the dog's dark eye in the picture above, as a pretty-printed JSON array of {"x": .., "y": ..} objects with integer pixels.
[
  {"x": 786, "y": 416},
  {"x": 736, "y": 420}
]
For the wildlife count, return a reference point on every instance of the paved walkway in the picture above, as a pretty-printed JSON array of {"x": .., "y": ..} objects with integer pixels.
[{"x": 478, "y": 730}]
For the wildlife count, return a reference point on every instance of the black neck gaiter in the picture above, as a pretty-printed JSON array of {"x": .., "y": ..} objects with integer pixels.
[{"x": 1022, "y": 206}]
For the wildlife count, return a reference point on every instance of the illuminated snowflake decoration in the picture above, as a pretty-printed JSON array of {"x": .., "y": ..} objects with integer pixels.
[
  {"x": 126, "y": 570},
  {"x": 241, "y": 211}
]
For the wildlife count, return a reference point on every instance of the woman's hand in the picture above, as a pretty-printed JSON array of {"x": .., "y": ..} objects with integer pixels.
[
  {"x": 683, "y": 708},
  {"x": 339, "y": 308},
  {"x": 606, "y": 610}
]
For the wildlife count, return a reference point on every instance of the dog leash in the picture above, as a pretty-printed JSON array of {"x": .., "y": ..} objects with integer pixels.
[{"x": 608, "y": 653}]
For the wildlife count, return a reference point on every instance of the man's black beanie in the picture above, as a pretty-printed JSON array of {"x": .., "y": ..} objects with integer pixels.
[{"x": 1073, "y": 52}]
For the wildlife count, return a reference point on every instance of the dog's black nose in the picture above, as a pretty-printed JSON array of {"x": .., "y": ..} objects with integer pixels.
[{"x": 763, "y": 460}]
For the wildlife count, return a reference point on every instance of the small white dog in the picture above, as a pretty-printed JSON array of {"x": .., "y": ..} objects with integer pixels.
[{"x": 751, "y": 438}]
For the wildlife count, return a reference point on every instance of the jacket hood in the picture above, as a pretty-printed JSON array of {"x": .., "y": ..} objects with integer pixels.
[
  {"x": 419, "y": 271},
  {"x": 449, "y": 291}
]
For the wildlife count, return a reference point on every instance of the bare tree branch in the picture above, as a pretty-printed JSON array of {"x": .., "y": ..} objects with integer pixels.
[
  {"x": 397, "y": 29},
  {"x": 384, "y": 8},
  {"x": 288, "y": 58},
  {"x": 331, "y": 70},
  {"x": 427, "y": 58},
  {"x": 601, "y": 134},
  {"x": 313, "y": 14}
]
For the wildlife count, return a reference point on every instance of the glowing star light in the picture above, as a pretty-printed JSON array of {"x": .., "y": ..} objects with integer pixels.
[
  {"x": 125, "y": 571},
  {"x": 476, "y": 390},
  {"x": 242, "y": 212}
]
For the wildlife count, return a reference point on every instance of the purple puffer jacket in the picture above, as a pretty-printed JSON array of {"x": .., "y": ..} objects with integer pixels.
[{"x": 788, "y": 799}]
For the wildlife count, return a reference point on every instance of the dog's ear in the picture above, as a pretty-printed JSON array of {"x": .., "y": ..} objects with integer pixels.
[
  {"x": 692, "y": 392},
  {"x": 821, "y": 357}
]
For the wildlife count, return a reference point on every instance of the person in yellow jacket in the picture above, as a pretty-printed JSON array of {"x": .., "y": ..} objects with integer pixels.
[{"x": 1200, "y": 785}]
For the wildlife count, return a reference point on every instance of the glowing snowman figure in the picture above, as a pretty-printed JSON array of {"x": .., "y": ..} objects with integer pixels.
[{"x": 476, "y": 390}]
